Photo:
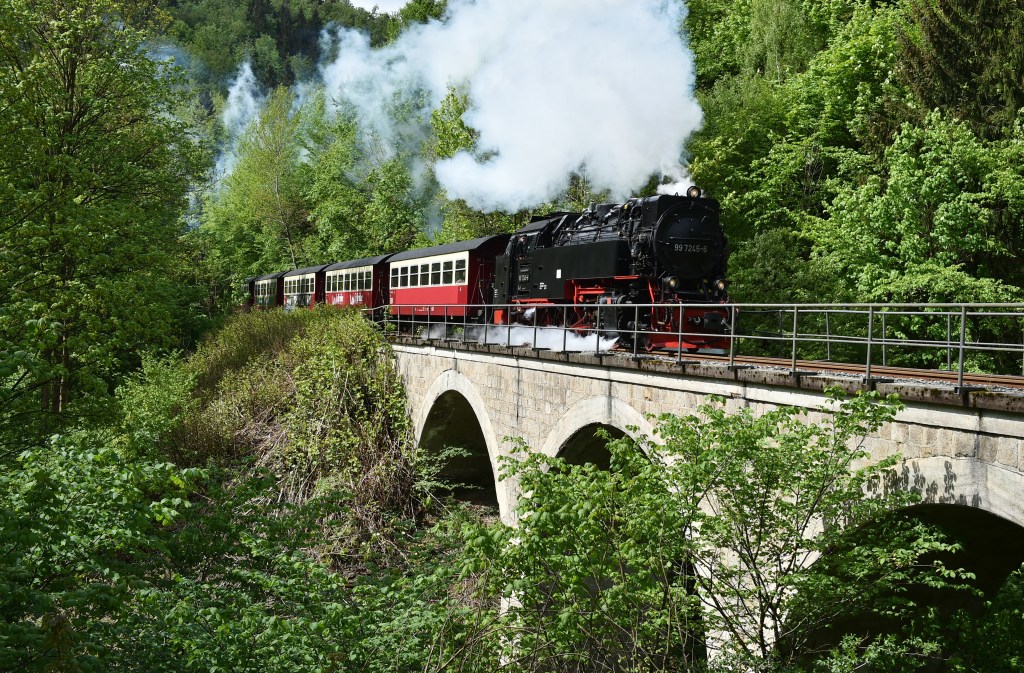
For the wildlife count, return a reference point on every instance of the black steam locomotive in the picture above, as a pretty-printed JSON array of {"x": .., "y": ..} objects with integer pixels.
[{"x": 626, "y": 259}]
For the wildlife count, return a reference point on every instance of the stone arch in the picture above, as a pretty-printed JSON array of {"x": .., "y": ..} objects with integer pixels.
[
  {"x": 992, "y": 546},
  {"x": 453, "y": 393},
  {"x": 977, "y": 504},
  {"x": 965, "y": 481},
  {"x": 595, "y": 412},
  {"x": 585, "y": 446}
]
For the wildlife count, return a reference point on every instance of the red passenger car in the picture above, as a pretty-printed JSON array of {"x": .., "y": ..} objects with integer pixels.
[
  {"x": 304, "y": 288},
  {"x": 359, "y": 282},
  {"x": 268, "y": 290},
  {"x": 446, "y": 280}
]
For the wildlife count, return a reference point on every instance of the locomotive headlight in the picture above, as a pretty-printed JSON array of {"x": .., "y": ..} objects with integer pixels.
[
  {"x": 671, "y": 283},
  {"x": 693, "y": 192}
]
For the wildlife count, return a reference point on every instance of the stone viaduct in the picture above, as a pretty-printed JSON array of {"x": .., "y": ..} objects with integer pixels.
[{"x": 962, "y": 450}]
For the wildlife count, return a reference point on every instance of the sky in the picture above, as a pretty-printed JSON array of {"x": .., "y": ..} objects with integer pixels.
[{"x": 387, "y": 6}]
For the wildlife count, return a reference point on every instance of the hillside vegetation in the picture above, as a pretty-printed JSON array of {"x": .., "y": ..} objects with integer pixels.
[
  {"x": 258, "y": 506},
  {"x": 288, "y": 526}
]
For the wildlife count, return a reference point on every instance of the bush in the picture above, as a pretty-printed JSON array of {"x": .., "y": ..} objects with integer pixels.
[{"x": 310, "y": 397}]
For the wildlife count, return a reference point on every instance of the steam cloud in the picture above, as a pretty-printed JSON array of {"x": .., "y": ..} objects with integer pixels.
[
  {"x": 242, "y": 108},
  {"x": 600, "y": 87}
]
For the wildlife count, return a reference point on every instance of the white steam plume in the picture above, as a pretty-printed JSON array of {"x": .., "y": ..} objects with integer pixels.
[
  {"x": 242, "y": 108},
  {"x": 604, "y": 86}
]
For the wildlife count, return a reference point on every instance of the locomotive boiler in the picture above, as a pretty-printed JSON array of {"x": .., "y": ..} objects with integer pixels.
[{"x": 649, "y": 269}]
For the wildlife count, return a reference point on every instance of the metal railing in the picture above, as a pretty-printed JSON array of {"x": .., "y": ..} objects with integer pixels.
[{"x": 986, "y": 338}]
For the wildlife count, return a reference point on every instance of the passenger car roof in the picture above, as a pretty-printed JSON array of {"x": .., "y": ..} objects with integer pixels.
[
  {"x": 353, "y": 263},
  {"x": 458, "y": 246},
  {"x": 303, "y": 272},
  {"x": 270, "y": 276}
]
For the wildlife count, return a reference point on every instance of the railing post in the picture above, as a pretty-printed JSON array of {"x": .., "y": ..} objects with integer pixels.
[
  {"x": 445, "y": 337},
  {"x": 597, "y": 329},
  {"x": 565, "y": 328},
  {"x": 871, "y": 329},
  {"x": 780, "y": 333},
  {"x": 796, "y": 312},
  {"x": 732, "y": 337},
  {"x": 679, "y": 336},
  {"x": 535, "y": 312},
  {"x": 636, "y": 320},
  {"x": 884, "y": 360},
  {"x": 963, "y": 339},
  {"x": 949, "y": 342},
  {"x": 828, "y": 338}
]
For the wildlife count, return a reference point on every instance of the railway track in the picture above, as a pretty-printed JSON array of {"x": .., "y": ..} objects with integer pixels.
[{"x": 973, "y": 380}]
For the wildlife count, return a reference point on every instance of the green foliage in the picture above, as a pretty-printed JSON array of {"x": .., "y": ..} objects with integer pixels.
[
  {"x": 766, "y": 497},
  {"x": 106, "y": 549},
  {"x": 595, "y": 573},
  {"x": 258, "y": 219},
  {"x": 940, "y": 224},
  {"x": 364, "y": 204},
  {"x": 831, "y": 145},
  {"x": 994, "y": 640},
  {"x": 311, "y": 396},
  {"x": 278, "y": 37},
  {"x": 452, "y": 133},
  {"x": 94, "y": 172},
  {"x": 78, "y": 530},
  {"x": 194, "y": 571},
  {"x": 772, "y": 268},
  {"x": 755, "y": 534},
  {"x": 416, "y": 12},
  {"x": 965, "y": 58}
]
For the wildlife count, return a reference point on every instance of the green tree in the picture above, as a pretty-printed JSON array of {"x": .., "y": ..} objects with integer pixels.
[
  {"x": 451, "y": 135},
  {"x": 278, "y": 36},
  {"x": 752, "y": 533},
  {"x": 941, "y": 223},
  {"x": 366, "y": 200},
  {"x": 415, "y": 12},
  {"x": 258, "y": 220},
  {"x": 79, "y": 530},
  {"x": 94, "y": 172},
  {"x": 965, "y": 58}
]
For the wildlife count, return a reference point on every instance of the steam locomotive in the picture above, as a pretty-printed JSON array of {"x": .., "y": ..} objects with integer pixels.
[{"x": 648, "y": 272}]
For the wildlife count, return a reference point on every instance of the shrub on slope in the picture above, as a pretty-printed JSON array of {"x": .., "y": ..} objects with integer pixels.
[{"x": 310, "y": 397}]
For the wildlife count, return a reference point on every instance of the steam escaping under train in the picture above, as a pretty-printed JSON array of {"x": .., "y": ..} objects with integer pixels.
[{"x": 648, "y": 272}]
